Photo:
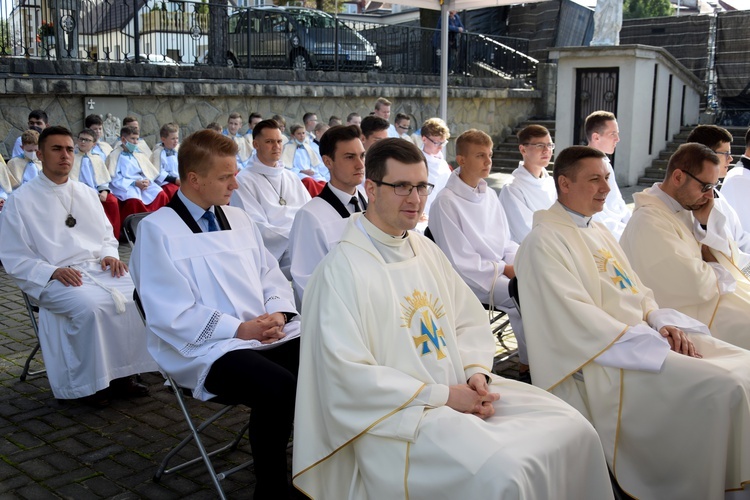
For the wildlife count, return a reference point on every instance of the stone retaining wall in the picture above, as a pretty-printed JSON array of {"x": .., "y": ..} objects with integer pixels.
[{"x": 193, "y": 103}]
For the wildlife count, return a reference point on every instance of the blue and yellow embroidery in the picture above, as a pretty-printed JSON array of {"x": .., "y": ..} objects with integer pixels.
[
  {"x": 430, "y": 335},
  {"x": 606, "y": 263}
]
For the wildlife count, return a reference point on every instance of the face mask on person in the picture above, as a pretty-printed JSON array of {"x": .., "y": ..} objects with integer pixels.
[
  {"x": 130, "y": 147},
  {"x": 30, "y": 155}
]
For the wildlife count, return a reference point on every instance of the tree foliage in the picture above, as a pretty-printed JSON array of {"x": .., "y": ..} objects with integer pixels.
[{"x": 637, "y": 9}]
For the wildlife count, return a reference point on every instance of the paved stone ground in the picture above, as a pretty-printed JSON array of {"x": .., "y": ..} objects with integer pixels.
[{"x": 63, "y": 449}]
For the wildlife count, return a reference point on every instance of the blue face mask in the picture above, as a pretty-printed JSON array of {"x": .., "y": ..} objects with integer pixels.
[{"x": 130, "y": 147}]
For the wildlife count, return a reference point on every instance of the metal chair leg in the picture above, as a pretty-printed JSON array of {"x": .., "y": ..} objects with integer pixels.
[{"x": 31, "y": 309}]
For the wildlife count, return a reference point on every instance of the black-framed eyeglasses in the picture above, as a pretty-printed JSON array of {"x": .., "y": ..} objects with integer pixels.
[
  {"x": 705, "y": 186},
  {"x": 405, "y": 189},
  {"x": 727, "y": 154},
  {"x": 540, "y": 145},
  {"x": 436, "y": 143},
  {"x": 85, "y": 139},
  {"x": 402, "y": 127}
]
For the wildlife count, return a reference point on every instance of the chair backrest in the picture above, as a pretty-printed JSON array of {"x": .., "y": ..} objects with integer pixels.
[
  {"x": 130, "y": 225},
  {"x": 513, "y": 292}
]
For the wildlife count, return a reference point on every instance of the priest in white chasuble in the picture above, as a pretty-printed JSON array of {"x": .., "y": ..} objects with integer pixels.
[
  {"x": 470, "y": 226},
  {"x": 57, "y": 244},
  {"x": 678, "y": 242},
  {"x": 270, "y": 193},
  {"x": 671, "y": 404},
  {"x": 219, "y": 311},
  {"x": 396, "y": 398}
]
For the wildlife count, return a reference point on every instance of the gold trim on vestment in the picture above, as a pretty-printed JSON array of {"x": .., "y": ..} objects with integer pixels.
[
  {"x": 358, "y": 435},
  {"x": 589, "y": 360},
  {"x": 475, "y": 365},
  {"x": 617, "y": 434},
  {"x": 406, "y": 471}
]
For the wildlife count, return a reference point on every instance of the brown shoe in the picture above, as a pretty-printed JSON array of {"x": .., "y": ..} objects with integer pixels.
[{"x": 128, "y": 388}]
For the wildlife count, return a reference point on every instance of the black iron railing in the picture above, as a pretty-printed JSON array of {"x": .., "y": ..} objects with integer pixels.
[{"x": 179, "y": 33}]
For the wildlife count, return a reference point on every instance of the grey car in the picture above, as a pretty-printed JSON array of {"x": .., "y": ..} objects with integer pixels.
[{"x": 298, "y": 38}]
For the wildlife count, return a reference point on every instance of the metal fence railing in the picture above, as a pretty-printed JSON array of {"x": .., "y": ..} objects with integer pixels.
[{"x": 189, "y": 32}]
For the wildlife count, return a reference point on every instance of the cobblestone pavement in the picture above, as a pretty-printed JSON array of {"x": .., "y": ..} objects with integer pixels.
[{"x": 63, "y": 449}]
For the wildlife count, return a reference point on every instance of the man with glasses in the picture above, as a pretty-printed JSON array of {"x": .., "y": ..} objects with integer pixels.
[
  {"x": 603, "y": 134},
  {"x": 531, "y": 188},
  {"x": 719, "y": 140},
  {"x": 395, "y": 397},
  {"x": 678, "y": 244},
  {"x": 435, "y": 135}
]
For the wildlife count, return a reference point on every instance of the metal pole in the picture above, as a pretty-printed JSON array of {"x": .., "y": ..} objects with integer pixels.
[
  {"x": 444, "y": 62},
  {"x": 136, "y": 33}
]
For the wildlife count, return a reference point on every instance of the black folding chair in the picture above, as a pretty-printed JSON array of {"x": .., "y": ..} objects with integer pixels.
[{"x": 33, "y": 309}]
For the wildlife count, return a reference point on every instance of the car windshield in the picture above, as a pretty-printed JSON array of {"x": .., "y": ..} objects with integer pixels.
[{"x": 314, "y": 20}]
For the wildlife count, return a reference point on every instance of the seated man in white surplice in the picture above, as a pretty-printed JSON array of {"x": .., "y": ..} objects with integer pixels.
[
  {"x": 57, "y": 244},
  {"x": 396, "y": 396},
  {"x": 218, "y": 307},
  {"x": 670, "y": 402}
]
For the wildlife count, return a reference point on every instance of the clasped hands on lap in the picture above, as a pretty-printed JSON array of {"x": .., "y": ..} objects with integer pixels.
[
  {"x": 69, "y": 276},
  {"x": 266, "y": 328},
  {"x": 474, "y": 397}
]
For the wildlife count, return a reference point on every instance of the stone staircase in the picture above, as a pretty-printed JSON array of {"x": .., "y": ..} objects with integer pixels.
[
  {"x": 655, "y": 173},
  {"x": 505, "y": 156}
]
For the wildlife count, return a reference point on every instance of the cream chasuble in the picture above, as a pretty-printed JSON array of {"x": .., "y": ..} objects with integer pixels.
[
  {"x": 387, "y": 327},
  {"x": 680, "y": 433},
  {"x": 86, "y": 341},
  {"x": 615, "y": 213},
  {"x": 662, "y": 248}
]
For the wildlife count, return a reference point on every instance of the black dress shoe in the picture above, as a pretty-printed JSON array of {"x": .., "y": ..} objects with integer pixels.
[
  {"x": 97, "y": 400},
  {"x": 128, "y": 388}
]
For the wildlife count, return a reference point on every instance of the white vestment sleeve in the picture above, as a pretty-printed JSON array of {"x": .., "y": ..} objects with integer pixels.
[
  {"x": 307, "y": 247},
  {"x": 276, "y": 238},
  {"x": 173, "y": 310},
  {"x": 518, "y": 213},
  {"x": 640, "y": 348},
  {"x": 659, "y": 318}
]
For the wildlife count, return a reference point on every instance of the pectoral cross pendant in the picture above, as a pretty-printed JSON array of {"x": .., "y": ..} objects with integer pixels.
[
  {"x": 70, "y": 221},
  {"x": 282, "y": 201}
]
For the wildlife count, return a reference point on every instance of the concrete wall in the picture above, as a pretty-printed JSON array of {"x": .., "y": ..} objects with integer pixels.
[
  {"x": 195, "y": 100},
  {"x": 635, "y": 96}
]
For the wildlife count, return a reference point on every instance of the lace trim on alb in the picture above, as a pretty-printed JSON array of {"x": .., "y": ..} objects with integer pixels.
[{"x": 206, "y": 334}]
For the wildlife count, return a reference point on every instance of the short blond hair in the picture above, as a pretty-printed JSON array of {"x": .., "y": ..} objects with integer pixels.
[
  {"x": 30, "y": 137},
  {"x": 472, "y": 136},
  {"x": 382, "y": 101}
]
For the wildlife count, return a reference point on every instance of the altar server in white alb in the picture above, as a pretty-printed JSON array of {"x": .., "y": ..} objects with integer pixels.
[
  {"x": 603, "y": 134},
  {"x": 671, "y": 404},
  {"x": 319, "y": 224},
  {"x": 244, "y": 148},
  {"x": 164, "y": 159},
  {"x": 218, "y": 307},
  {"x": 58, "y": 246},
  {"x": 435, "y": 135},
  {"x": 531, "y": 187},
  {"x": 719, "y": 140},
  {"x": 270, "y": 193},
  {"x": 469, "y": 225},
  {"x": 26, "y": 167},
  {"x": 677, "y": 241},
  {"x": 736, "y": 188},
  {"x": 396, "y": 397}
]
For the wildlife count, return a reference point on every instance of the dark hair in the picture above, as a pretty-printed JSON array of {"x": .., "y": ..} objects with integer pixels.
[
  {"x": 567, "y": 162},
  {"x": 214, "y": 126},
  {"x": 747, "y": 138},
  {"x": 709, "y": 135},
  {"x": 689, "y": 157},
  {"x": 254, "y": 115},
  {"x": 596, "y": 122},
  {"x": 39, "y": 114},
  {"x": 262, "y": 125},
  {"x": 56, "y": 130},
  {"x": 129, "y": 119},
  {"x": 88, "y": 131},
  {"x": 128, "y": 130},
  {"x": 92, "y": 120},
  {"x": 333, "y": 121},
  {"x": 200, "y": 148},
  {"x": 391, "y": 148},
  {"x": 307, "y": 116},
  {"x": 372, "y": 124},
  {"x": 529, "y": 132},
  {"x": 402, "y": 116},
  {"x": 167, "y": 129},
  {"x": 350, "y": 116},
  {"x": 334, "y": 135}
]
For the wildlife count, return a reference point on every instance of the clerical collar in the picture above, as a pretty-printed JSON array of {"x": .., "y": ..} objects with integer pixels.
[
  {"x": 261, "y": 168},
  {"x": 580, "y": 220},
  {"x": 196, "y": 212},
  {"x": 381, "y": 236},
  {"x": 343, "y": 197},
  {"x": 544, "y": 171},
  {"x": 666, "y": 199}
]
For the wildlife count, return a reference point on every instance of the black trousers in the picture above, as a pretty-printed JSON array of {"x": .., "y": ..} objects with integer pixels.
[{"x": 265, "y": 381}]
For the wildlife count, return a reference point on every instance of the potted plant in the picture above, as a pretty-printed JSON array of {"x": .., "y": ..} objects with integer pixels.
[{"x": 46, "y": 33}]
